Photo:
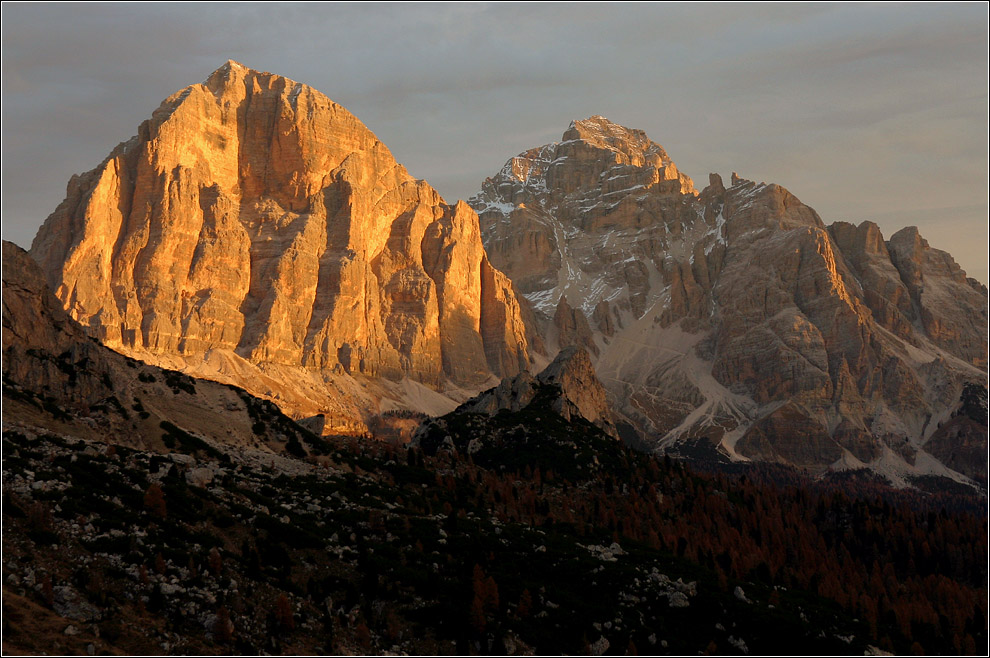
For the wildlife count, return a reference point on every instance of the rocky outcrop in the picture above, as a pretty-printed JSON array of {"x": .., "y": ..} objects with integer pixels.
[
  {"x": 254, "y": 221},
  {"x": 790, "y": 436},
  {"x": 577, "y": 393},
  {"x": 512, "y": 394},
  {"x": 581, "y": 393},
  {"x": 961, "y": 440},
  {"x": 948, "y": 303},
  {"x": 735, "y": 314},
  {"x": 573, "y": 328}
]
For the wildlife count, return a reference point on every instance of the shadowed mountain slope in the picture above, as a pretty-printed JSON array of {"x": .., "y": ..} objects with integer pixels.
[{"x": 735, "y": 316}]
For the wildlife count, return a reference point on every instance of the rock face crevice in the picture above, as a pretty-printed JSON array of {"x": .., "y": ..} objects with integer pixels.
[
  {"x": 735, "y": 315},
  {"x": 253, "y": 216}
]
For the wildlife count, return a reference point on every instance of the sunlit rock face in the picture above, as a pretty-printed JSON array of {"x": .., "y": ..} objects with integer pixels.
[
  {"x": 734, "y": 315},
  {"x": 255, "y": 221}
]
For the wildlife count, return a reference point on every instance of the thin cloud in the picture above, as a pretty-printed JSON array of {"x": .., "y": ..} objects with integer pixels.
[{"x": 841, "y": 103}]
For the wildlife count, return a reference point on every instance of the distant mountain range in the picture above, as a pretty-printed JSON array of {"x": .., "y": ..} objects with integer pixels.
[{"x": 256, "y": 233}]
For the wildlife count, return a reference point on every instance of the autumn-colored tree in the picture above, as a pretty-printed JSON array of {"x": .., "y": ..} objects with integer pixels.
[
  {"x": 214, "y": 562},
  {"x": 160, "y": 565},
  {"x": 491, "y": 595},
  {"x": 223, "y": 629},
  {"x": 525, "y": 607},
  {"x": 96, "y": 585},
  {"x": 485, "y": 589},
  {"x": 485, "y": 599},
  {"x": 362, "y": 635},
  {"x": 393, "y": 626},
  {"x": 154, "y": 500},
  {"x": 476, "y": 615},
  {"x": 39, "y": 516},
  {"x": 283, "y": 614},
  {"x": 723, "y": 581},
  {"x": 47, "y": 591}
]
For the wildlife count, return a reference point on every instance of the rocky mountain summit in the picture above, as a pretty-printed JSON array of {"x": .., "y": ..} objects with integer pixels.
[
  {"x": 255, "y": 232},
  {"x": 734, "y": 316}
]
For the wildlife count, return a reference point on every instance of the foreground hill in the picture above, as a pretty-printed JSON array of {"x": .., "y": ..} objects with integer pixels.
[
  {"x": 257, "y": 233},
  {"x": 57, "y": 377},
  {"x": 735, "y": 317}
]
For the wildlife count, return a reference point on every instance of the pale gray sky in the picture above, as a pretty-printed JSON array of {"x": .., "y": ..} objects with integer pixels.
[{"x": 863, "y": 111}]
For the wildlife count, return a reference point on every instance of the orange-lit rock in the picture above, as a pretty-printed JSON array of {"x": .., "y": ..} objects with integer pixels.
[{"x": 255, "y": 219}]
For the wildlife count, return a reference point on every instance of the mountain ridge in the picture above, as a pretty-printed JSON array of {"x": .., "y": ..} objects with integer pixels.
[
  {"x": 257, "y": 233},
  {"x": 706, "y": 311}
]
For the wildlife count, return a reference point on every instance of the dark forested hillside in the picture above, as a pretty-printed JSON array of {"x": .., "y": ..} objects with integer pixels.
[{"x": 543, "y": 536}]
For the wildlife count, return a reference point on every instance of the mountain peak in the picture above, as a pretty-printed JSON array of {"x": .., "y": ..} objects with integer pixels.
[
  {"x": 599, "y": 123},
  {"x": 232, "y": 72},
  {"x": 603, "y": 133},
  {"x": 237, "y": 222},
  {"x": 599, "y": 168},
  {"x": 706, "y": 309},
  {"x": 231, "y": 64},
  {"x": 603, "y": 125},
  {"x": 224, "y": 70}
]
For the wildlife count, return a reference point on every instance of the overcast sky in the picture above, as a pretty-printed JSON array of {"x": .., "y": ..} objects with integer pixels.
[{"x": 865, "y": 112}]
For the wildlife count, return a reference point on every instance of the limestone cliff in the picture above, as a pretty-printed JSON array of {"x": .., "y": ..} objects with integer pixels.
[
  {"x": 254, "y": 230},
  {"x": 735, "y": 315}
]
